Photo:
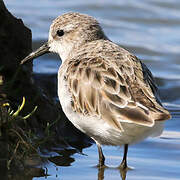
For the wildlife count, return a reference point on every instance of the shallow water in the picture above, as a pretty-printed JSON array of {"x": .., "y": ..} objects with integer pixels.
[{"x": 150, "y": 29}]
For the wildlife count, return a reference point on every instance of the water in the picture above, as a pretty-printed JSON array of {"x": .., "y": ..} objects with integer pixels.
[{"x": 149, "y": 29}]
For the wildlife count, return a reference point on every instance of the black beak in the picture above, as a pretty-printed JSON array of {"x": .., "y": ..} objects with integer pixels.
[{"x": 42, "y": 50}]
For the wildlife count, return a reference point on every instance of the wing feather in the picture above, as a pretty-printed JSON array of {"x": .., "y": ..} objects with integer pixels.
[{"x": 116, "y": 91}]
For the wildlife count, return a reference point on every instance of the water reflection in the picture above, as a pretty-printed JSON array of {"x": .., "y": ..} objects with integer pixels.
[
  {"x": 33, "y": 165},
  {"x": 28, "y": 174},
  {"x": 101, "y": 173},
  {"x": 122, "y": 173},
  {"x": 64, "y": 158}
]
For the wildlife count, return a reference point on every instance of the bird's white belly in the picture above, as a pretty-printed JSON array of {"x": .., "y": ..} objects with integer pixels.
[{"x": 98, "y": 129}]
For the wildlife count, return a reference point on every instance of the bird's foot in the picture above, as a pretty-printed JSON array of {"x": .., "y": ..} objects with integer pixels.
[
  {"x": 101, "y": 166},
  {"x": 123, "y": 165}
]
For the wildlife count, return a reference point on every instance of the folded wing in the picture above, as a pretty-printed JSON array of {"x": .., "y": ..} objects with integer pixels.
[{"x": 116, "y": 91}]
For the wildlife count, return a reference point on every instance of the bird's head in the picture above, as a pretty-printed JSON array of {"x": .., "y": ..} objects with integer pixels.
[{"x": 67, "y": 33}]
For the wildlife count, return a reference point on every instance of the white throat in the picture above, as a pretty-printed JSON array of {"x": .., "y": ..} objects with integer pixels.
[
  {"x": 63, "y": 50},
  {"x": 61, "y": 47}
]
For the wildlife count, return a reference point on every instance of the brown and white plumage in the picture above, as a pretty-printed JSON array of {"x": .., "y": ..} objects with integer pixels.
[
  {"x": 104, "y": 90},
  {"x": 109, "y": 83}
]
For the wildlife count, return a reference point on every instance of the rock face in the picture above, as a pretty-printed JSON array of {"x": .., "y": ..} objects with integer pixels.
[{"x": 15, "y": 41}]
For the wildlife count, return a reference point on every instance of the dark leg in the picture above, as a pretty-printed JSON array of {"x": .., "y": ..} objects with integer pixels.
[
  {"x": 124, "y": 161},
  {"x": 101, "y": 156}
]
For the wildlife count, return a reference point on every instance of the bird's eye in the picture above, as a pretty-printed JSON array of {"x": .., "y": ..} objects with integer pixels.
[{"x": 60, "y": 33}]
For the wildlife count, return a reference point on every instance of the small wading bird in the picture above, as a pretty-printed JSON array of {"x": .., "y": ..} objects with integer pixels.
[{"x": 104, "y": 90}]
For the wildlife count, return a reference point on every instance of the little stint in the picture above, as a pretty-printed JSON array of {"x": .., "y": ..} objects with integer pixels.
[{"x": 104, "y": 90}]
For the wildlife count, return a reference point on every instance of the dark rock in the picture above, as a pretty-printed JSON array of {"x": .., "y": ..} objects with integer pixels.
[{"x": 15, "y": 42}]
